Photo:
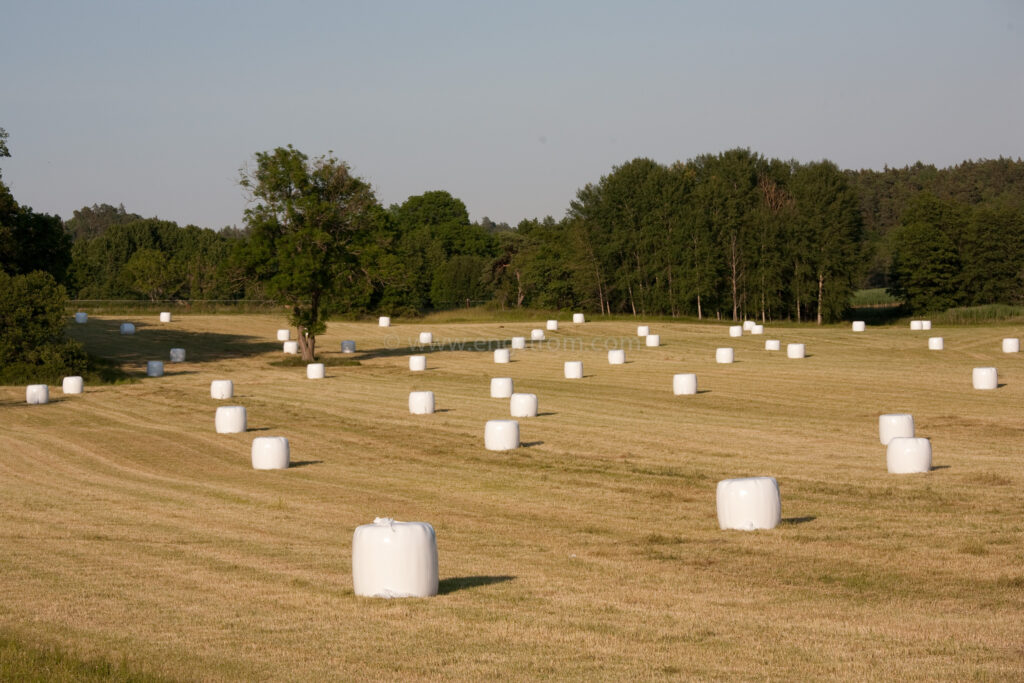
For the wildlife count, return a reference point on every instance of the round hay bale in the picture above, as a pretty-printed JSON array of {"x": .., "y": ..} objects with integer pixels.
[
  {"x": 270, "y": 453},
  {"x": 81, "y": 317},
  {"x": 908, "y": 455},
  {"x": 926, "y": 324},
  {"x": 757, "y": 329},
  {"x": 936, "y": 343},
  {"x": 537, "y": 335},
  {"x": 501, "y": 387},
  {"x": 616, "y": 356},
  {"x": 290, "y": 347},
  {"x": 518, "y": 342},
  {"x": 165, "y": 316},
  {"x": 772, "y": 345},
  {"x": 502, "y": 355},
  {"x": 1011, "y": 345},
  {"x": 421, "y": 402},
  {"x": 749, "y": 503},
  {"x": 748, "y": 325},
  {"x": 643, "y": 330},
  {"x": 72, "y": 385},
  {"x": 523, "y": 405},
  {"x": 284, "y": 335},
  {"x": 394, "y": 559},
  {"x": 735, "y": 330},
  {"x": 417, "y": 363},
  {"x": 553, "y": 325},
  {"x": 230, "y": 420},
  {"x": 315, "y": 371},
  {"x": 795, "y": 351},
  {"x": 127, "y": 328},
  {"x": 916, "y": 325},
  {"x": 684, "y": 383},
  {"x": 384, "y": 321},
  {"x": 426, "y": 337},
  {"x": 578, "y": 318},
  {"x": 985, "y": 378},
  {"x": 222, "y": 389},
  {"x": 154, "y": 368},
  {"x": 501, "y": 435},
  {"x": 574, "y": 369},
  {"x": 37, "y": 394},
  {"x": 348, "y": 346},
  {"x": 652, "y": 340},
  {"x": 724, "y": 355},
  {"x": 859, "y": 326},
  {"x": 893, "y": 425},
  {"x": 177, "y": 355}
]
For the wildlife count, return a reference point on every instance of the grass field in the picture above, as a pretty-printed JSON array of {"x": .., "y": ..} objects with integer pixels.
[{"x": 135, "y": 535}]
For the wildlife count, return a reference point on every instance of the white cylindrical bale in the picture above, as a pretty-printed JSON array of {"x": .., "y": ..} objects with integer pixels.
[
  {"x": 348, "y": 346},
  {"x": 936, "y": 343},
  {"x": 165, "y": 316},
  {"x": 417, "y": 363},
  {"x": 893, "y": 425},
  {"x": 926, "y": 324},
  {"x": 616, "y": 356},
  {"x": 270, "y": 453},
  {"x": 578, "y": 318},
  {"x": 426, "y": 337},
  {"x": 1011, "y": 345},
  {"x": 230, "y": 420},
  {"x": 684, "y": 383},
  {"x": 748, "y": 325},
  {"x": 155, "y": 368},
  {"x": 81, "y": 317},
  {"x": 749, "y": 503},
  {"x": 284, "y": 335},
  {"x": 985, "y": 378},
  {"x": 735, "y": 330},
  {"x": 574, "y": 369},
  {"x": 795, "y": 351},
  {"x": 643, "y": 330},
  {"x": 724, "y": 355},
  {"x": 757, "y": 329},
  {"x": 384, "y": 321},
  {"x": 858, "y": 326},
  {"x": 553, "y": 325},
  {"x": 37, "y": 394},
  {"x": 916, "y": 325},
  {"x": 537, "y": 335},
  {"x": 518, "y": 342},
  {"x": 502, "y": 355},
  {"x": 652, "y": 340},
  {"x": 772, "y": 345},
  {"x": 72, "y": 385},
  {"x": 501, "y": 387},
  {"x": 222, "y": 388},
  {"x": 501, "y": 435},
  {"x": 177, "y": 355},
  {"x": 394, "y": 559},
  {"x": 523, "y": 405},
  {"x": 908, "y": 455},
  {"x": 127, "y": 328},
  {"x": 290, "y": 347},
  {"x": 421, "y": 402},
  {"x": 315, "y": 371}
]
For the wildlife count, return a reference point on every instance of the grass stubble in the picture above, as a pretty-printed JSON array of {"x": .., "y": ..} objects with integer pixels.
[{"x": 133, "y": 534}]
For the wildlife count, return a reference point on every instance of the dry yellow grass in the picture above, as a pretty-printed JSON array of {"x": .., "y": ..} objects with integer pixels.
[{"x": 131, "y": 531}]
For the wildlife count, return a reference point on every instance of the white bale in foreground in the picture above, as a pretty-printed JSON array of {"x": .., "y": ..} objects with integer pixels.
[
  {"x": 926, "y": 324},
  {"x": 426, "y": 337},
  {"x": 501, "y": 387},
  {"x": 1011, "y": 345},
  {"x": 936, "y": 343},
  {"x": 394, "y": 559},
  {"x": 772, "y": 345},
  {"x": 290, "y": 347},
  {"x": 421, "y": 402},
  {"x": 222, "y": 388},
  {"x": 748, "y": 325},
  {"x": 573, "y": 369},
  {"x": 916, "y": 325},
  {"x": 315, "y": 371},
  {"x": 652, "y": 340},
  {"x": 230, "y": 420},
  {"x": 537, "y": 335},
  {"x": 523, "y": 405},
  {"x": 553, "y": 325},
  {"x": 985, "y": 378},
  {"x": 518, "y": 342},
  {"x": 859, "y": 326},
  {"x": 127, "y": 328},
  {"x": 749, "y": 503},
  {"x": 502, "y": 355},
  {"x": 735, "y": 330},
  {"x": 578, "y": 318},
  {"x": 72, "y": 385},
  {"x": 177, "y": 355},
  {"x": 270, "y": 453},
  {"x": 384, "y": 321},
  {"x": 155, "y": 368},
  {"x": 81, "y": 317},
  {"x": 724, "y": 354},
  {"x": 908, "y": 455},
  {"x": 501, "y": 435},
  {"x": 284, "y": 335},
  {"x": 893, "y": 425},
  {"x": 37, "y": 394},
  {"x": 616, "y": 356},
  {"x": 165, "y": 316},
  {"x": 643, "y": 330},
  {"x": 348, "y": 346},
  {"x": 757, "y": 329},
  {"x": 795, "y": 351},
  {"x": 684, "y": 383},
  {"x": 417, "y": 363}
]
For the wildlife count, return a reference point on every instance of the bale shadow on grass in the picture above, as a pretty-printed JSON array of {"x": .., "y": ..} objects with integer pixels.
[
  {"x": 458, "y": 583},
  {"x": 530, "y": 444},
  {"x": 798, "y": 520},
  {"x": 939, "y": 467},
  {"x": 303, "y": 463}
]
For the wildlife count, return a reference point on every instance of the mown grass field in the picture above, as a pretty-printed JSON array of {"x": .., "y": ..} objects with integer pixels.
[{"x": 135, "y": 535}]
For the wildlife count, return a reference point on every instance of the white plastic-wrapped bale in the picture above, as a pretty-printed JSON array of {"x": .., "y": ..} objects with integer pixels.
[
  {"x": 684, "y": 383},
  {"x": 81, "y": 317},
  {"x": 270, "y": 453},
  {"x": 290, "y": 347},
  {"x": 417, "y": 363},
  {"x": 284, "y": 335},
  {"x": 37, "y": 394},
  {"x": 735, "y": 330},
  {"x": 72, "y": 385},
  {"x": 315, "y": 371},
  {"x": 772, "y": 345},
  {"x": 748, "y": 325},
  {"x": 127, "y": 328},
  {"x": 421, "y": 402},
  {"x": 724, "y": 355},
  {"x": 348, "y": 346},
  {"x": 916, "y": 325},
  {"x": 926, "y": 324},
  {"x": 985, "y": 378},
  {"x": 155, "y": 368},
  {"x": 553, "y": 325},
  {"x": 426, "y": 337},
  {"x": 1011, "y": 345},
  {"x": 908, "y": 455},
  {"x": 795, "y": 351},
  {"x": 616, "y": 356},
  {"x": 749, "y": 503},
  {"x": 394, "y": 559},
  {"x": 523, "y": 405},
  {"x": 643, "y": 330},
  {"x": 502, "y": 355},
  {"x": 859, "y": 326},
  {"x": 501, "y": 387},
  {"x": 578, "y": 318},
  {"x": 537, "y": 335},
  {"x": 230, "y": 420},
  {"x": 757, "y": 329},
  {"x": 518, "y": 342},
  {"x": 652, "y": 340},
  {"x": 501, "y": 435},
  {"x": 574, "y": 369},
  {"x": 384, "y": 321},
  {"x": 222, "y": 389},
  {"x": 893, "y": 425},
  {"x": 936, "y": 343},
  {"x": 178, "y": 355},
  {"x": 165, "y": 316}
]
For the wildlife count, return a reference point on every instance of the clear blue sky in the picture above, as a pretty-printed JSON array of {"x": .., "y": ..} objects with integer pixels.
[{"x": 510, "y": 106}]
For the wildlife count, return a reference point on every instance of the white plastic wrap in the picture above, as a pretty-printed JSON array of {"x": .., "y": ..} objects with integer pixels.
[
  {"x": 502, "y": 355},
  {"x": 178, "y": 355},
  {"x": 616, "y": 356},
  {"x": 222, "y": 389},
  {"x": 501, "y": 435},
  {"x": 859, "y": 326},
  {"x": 757, "y": 329},
  {"x": 574, "y": 369},
  {"x": 518, "y": 342},
  {"x": 72, "y": 385},
  {"x": 684, "y": 383},
  {"x": 384, "y": 321},
  {"x": 81, "y": 317},
  {"x": 348, "y": 346},
  {"x": 724, "y": 354},
  {"x": 127, "y": 328},
  {"x": 772, "y": 345},
  {"x": 936, "y": 343},
  {"x": 749, "y": 503},
  {"x": 1011, "y": 345},
  {"x": 154, "y": 368},
  {"x": 908, "y": 455},
  {"x": 37, "y": 394},
  {"x": 735, "y": 330},
  {"x": 553, "y": 325},
  {"x": 290, "y": 347},
  {"x": 985, "y": 378},
  {"x": 501, "y": 387},
  {"x": 652, "y": 340},
  {"x": 165, "y": 316},
  {"x": 394, "y": 559},
  {"x": 926, "y": 324},
  {"x": 893, "y": 425},
  {"x": 426, "y": 337},
  {"x": 421, "y": 402},
  {"x": 523, "y": 405},
  {"x": 578, "y": 318},
  {"x": 795, "y": 351},
  {"x": 315, "y": 371},
  {"x": 284, "y": 335},
  {"x": 270, "y": 453},
  {"x": 748, "y": 325},
  {"x": 417, "y": 363},
  {"x": 916, "y": 325},
  {"x": 230, "y": 420},
  {"x": 643, "y": 330},
  {"x": 537, "y": 335}
]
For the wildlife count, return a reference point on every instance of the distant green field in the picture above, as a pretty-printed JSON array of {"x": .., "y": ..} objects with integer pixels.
[{"x": 873, "y": 297}]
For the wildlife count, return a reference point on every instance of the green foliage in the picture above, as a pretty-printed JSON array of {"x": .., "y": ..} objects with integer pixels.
[
  {"x": 92, "y": 221},
  {"x": 925, "y": 268}
]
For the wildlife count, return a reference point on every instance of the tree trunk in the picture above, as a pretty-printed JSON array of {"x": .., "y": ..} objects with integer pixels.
[
  {"x": 734, "y": 267},
  {"x": 520, "y": 294},
  {"x": 821, "y": 292},
  {"x": 700, "y": 314}
]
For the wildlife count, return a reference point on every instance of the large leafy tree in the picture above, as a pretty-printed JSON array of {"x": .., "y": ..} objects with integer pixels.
[{"x": 303, "y": 219}]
